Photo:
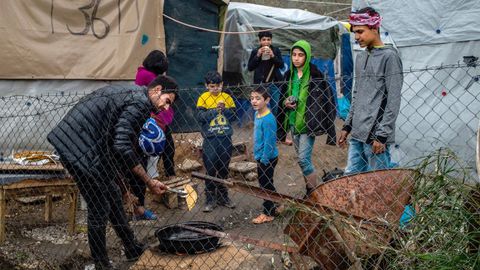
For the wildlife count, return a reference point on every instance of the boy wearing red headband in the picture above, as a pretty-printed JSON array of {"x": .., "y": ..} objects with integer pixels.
[{"x": 376, "y": 97}]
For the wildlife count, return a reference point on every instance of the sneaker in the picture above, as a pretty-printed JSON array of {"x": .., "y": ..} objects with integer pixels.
[
  {"x": 262, "y": 218},
  {"x": 135, "y": 253},
  {"x": 228, "y": 204},
  {"x": 209, "y": 207},
  {"x": 147, "y": 215}
]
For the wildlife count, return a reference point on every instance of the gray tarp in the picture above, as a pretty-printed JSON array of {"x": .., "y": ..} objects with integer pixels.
[
  {"x": 29, "y": 109},
  {"x": 293, "y": 24},
  {"x": 427, "y": 119}
]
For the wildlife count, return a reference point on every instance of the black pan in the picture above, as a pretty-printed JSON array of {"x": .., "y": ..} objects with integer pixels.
[{"x": 176, "y": 240}]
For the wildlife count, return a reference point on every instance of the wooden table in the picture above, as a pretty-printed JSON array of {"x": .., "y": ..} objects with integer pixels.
[{"x": 46, "y": 180}]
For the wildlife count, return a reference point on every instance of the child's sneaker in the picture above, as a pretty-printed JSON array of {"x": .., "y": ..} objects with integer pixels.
[
  {"x": 147, "y": 215},
  {"x": 262, "y": 218}
]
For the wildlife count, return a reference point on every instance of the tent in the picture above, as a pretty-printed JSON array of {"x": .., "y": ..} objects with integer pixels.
[
  {"x": 440, "y": 106},
  {"x": 288, "y": 26},
  {"x": 66, "y": 49}
]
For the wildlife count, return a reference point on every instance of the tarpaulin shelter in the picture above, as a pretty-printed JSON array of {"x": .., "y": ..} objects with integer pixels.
[
  {"x": 440, "y": 107},
  {"x": 65, "y": 47},
  {"x": 287, "y": 26}
]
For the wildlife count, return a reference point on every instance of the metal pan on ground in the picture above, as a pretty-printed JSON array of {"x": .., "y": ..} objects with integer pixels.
[{"x": 175, "y": 239}]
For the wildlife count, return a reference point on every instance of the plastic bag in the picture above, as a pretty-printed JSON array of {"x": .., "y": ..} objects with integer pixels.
[{"x": 343, "y": 107}]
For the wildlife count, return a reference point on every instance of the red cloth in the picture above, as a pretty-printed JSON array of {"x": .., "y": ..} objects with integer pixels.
[
  {"x": 163, "y": 118},
  {"x": 144, "y": 77}
]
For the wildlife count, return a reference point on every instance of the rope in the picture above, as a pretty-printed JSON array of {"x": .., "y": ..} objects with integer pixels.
[{"x": 222, "y": 32}]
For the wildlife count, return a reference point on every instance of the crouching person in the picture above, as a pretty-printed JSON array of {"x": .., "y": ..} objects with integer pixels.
[{"x": 97, "y": 141}]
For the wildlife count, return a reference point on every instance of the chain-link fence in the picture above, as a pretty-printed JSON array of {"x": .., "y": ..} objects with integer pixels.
[{"x": 242, "y": 190}]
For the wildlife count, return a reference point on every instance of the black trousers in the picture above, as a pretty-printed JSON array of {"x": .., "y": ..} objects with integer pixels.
[
  {"x": 104, "y": 203},
  {"x": 265, "y": 179},
  {"x": 216, "y": 155}
]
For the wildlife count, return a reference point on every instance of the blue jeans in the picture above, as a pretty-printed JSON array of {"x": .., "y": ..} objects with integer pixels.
[
  {"x": 362, "y": 159},
  {"x": 304, "y": 147}
]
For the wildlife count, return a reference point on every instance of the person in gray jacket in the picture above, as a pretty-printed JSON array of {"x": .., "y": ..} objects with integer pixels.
[{"x": 376, "y": 97}]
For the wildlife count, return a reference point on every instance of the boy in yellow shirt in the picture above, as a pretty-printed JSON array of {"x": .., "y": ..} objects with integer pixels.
[{"x": 215, "y": 111}]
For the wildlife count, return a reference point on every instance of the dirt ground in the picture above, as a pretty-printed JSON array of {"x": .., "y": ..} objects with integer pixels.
[{"x": 33, "y": 244}]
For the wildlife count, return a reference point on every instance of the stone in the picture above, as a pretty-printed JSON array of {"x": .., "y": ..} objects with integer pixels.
[
  {"x": 189, "y": 165},
  {"x": 243, "y": 166},
  {"x": 251, "y": 176}
]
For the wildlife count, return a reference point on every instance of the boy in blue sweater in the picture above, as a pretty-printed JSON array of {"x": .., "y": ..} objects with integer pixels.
[{"x": 265, "y": 149}]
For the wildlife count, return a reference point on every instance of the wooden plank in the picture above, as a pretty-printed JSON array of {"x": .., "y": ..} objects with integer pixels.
[
  {"x": 35, "y": 191},
  {"x": 3, "y": 209},
  {"x": 20, "y": 168},
  {"x": 180, "y": 184},
  {"x": 48, "y": 207},
  {"x": 173, "y": 181},
  {"x": 29, "y": 183},
  {"x": 72, "y": 213}
]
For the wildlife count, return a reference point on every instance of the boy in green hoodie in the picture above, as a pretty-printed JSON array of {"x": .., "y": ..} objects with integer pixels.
[{"x": 308, "y": 109}]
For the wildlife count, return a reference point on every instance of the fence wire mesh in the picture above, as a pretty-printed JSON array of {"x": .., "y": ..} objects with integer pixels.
[{"x": 420, "y": 211}]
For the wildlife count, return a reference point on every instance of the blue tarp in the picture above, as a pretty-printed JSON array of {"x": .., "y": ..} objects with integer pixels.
[{"x": 347, "y": 67}]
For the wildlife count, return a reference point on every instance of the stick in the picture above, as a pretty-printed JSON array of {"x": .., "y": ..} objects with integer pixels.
[{"x": 241, "y": 238}]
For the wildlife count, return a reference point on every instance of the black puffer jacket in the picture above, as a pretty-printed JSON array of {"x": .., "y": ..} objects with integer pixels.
[
  {"x": 321, "y": 109},
  {"x": 99, "y": 135}
]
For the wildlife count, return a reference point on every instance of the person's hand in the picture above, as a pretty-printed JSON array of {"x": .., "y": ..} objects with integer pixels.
[
  {"x": 221, "y": 105},
  {"x": 260, "y": 52},
  {"x": 156, "y": 187},
  {"x": 290, "y": 105},
  {"x": 342, "y": 140},
  {"x": 378, "y": 147}
]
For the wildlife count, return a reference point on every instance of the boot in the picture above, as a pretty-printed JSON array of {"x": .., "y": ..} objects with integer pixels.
[
  {"x": 135, "y": 251},
  {"x": 310, "y": 183}
]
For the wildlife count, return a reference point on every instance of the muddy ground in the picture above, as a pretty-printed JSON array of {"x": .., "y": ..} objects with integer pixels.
[{"x": 33, "y": 244}]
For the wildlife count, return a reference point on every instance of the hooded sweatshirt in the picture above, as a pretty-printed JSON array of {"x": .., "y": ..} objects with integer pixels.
[
  {"x": 298, "y": 87},
  {"x": 376, "y": 96},
  {"x": 316, "y": 111}
]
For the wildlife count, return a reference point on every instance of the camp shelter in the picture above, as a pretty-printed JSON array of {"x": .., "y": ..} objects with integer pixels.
[
  {"x": 65, "y": 49},
  {"x": 288, "y": 26},
  {"x": 192, "y": 52},
  {"x": 440, "y": 106}
]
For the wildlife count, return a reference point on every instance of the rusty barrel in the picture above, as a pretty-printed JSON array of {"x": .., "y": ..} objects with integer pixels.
[{"x": 371, "y": 205}]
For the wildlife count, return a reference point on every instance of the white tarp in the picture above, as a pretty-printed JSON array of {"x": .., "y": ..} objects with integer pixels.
[
  {"x": 290, "y": 25},
  {"x": 29, "y": 109},
  {"x": 414, "y": 23},
  {"x": 429, "y": 119}
]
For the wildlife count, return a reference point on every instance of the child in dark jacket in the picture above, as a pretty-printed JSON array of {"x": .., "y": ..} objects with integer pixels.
[
  {"x": 308, "y": 109},
  {"x": 264, "y": 149},
  {"x": 215, "y": 110}
]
